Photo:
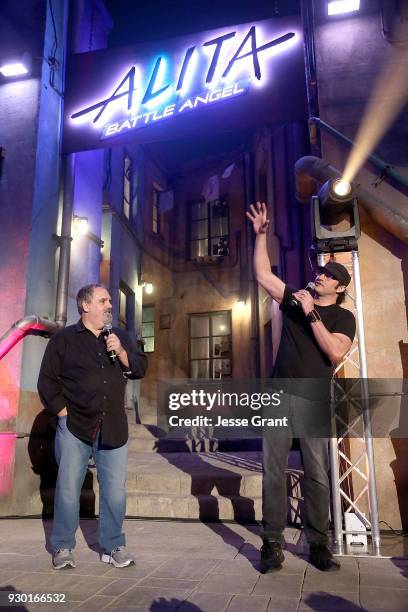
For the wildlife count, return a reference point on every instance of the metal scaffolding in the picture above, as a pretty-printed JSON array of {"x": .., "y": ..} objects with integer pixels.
[{"x": 353, "y": 473}]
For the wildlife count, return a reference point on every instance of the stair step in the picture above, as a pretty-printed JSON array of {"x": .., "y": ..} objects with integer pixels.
[
  {"x": 204, "y": 486},
  {"x": 195, "y": 473},
  {"x": 140, "y": 430},
  {"x": 144, "y": 438},
  {"x": 203, "y": 507},
  {"x": 196, "y": 484}
]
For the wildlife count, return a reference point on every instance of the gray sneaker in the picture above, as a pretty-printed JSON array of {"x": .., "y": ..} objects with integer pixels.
[
  {"x": 119, "y": 557},
  {"x": 63, "y": 557}
]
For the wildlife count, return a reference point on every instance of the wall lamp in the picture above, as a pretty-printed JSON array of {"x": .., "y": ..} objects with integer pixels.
[
  {"x": 16, "y": 66},
  {"x": 146, "y": 284},
  {"x": 81, "y": 227},
  {"x": 81, "y": 224},
  {"x": 340, "y": 7}
]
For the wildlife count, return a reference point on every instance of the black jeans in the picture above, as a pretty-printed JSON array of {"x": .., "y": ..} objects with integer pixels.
[{"x": 315, "y": 458}]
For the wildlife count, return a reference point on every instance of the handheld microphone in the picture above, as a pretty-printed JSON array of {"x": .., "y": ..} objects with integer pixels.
[
  {"x": 107, "y": 330},
  {"x": 310, "y": 287}
]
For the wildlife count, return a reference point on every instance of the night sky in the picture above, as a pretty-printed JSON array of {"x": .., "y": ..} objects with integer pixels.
[{"x": 138, "y": 21}]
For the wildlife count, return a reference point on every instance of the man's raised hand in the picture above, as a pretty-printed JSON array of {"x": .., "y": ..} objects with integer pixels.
[{"x": 258, "y": 215}]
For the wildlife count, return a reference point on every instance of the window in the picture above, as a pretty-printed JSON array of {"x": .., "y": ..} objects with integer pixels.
[
  {"x": 208, "y": 228},
  {"x": 122, "y": 309},
  {"x": 156, "y": 208},
  {"x": 210, "y": 345},
  {"x": 126, "y": 314},
  {"x": 148, "y": 328},
  {"x": 127, "y": 186}
]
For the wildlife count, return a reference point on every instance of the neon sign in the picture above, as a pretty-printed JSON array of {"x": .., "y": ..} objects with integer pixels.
[
  {"x": 218, "y": 69},
  {"x": 171, "y": 110}
]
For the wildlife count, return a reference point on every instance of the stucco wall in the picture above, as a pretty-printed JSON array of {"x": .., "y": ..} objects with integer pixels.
[
  {"x": 182, "y": 287},
  {"x": 350, "y": 52}
]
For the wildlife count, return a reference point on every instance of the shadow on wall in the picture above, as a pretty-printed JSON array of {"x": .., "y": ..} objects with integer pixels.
[
  {"x": 400, "y": 443},
  {"x": 399, "y": 435},
  {"x": 43, "y": 464}
]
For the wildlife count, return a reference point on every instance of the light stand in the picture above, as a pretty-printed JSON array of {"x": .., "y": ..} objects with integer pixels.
[{"x": 334, "y": 203}]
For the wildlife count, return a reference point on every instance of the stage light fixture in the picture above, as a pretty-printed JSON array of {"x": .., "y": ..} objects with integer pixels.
[
  {"x": 336, "y": 194},
  {"x": 335, "y": 206},
  {"x": 342, "y": 6},
  {"x": 341, "y": 188}
]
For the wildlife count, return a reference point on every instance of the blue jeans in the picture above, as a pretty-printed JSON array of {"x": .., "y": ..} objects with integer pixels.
[{"x": 72, "y": 456}]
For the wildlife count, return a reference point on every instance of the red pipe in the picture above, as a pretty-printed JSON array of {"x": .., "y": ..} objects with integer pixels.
[{"x": 23, "y": 327}]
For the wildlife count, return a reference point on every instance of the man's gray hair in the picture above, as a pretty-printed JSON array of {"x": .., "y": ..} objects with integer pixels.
[{"x": 85, "y": 294}]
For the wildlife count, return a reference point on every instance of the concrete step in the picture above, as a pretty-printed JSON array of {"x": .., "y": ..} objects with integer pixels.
[
  {"x": 142, "y": 438},
  {"x": 195, "y": 473},
  {"x": 204, "y": 486},
  {"x": 145, "y": 437},
  {"x": 200, "y": 486},
  {"x": 208, "y": 508}
]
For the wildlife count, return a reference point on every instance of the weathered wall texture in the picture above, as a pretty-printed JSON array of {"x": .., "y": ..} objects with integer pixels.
[
  {"x": 29, "y": 183},
  {"x": 30, "y": 214},
  {"x": 276, "y": 150},
  {"x": 350, "y": 52},
  {"x": 182, "y": 287}
]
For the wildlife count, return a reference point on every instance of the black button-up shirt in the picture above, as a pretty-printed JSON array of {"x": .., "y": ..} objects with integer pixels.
[{"x": 77, "y": 373}]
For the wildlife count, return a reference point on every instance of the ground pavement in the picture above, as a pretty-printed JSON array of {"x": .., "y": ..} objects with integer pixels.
[{"x": 192, "y": 567}]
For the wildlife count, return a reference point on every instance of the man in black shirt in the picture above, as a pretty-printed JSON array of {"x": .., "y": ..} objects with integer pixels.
[
  {"x": 316, "y": 334},
  {"x": 85, "y": 388}
]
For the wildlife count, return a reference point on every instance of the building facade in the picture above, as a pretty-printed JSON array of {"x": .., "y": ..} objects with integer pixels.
[{"x": 167, "y": 234}]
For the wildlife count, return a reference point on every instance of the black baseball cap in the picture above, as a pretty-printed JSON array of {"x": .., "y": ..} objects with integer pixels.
[{"x": 336, "y": 270}]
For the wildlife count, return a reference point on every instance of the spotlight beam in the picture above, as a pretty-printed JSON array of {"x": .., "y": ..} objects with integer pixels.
[
  {"x": 386, "y": 102},
  {"x": 374, "y": 159}
]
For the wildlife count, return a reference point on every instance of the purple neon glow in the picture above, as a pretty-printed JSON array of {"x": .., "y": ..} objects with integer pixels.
[
  {"x": 342, "y": 6},
  {"x": 245, "y": 65},
  {"x": 194, "y": 79}
]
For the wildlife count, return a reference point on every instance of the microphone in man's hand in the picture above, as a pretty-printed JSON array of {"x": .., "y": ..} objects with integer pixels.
[
  {"x": 107, "y": 330},
  {"x": 310, "y": 287}
]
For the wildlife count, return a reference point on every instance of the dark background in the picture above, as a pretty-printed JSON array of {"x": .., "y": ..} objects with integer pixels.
[{"x": 136, "y": 21}]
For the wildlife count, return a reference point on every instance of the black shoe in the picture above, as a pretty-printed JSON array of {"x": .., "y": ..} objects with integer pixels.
[
  {"x": 272, "y": 556},
  {"x": 321, "y": 557}
]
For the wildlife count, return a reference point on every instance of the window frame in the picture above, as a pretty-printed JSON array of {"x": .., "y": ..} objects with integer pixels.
[
  {"x": 157, "y": 188},
  {"x": 127, "y": 175},
  {"x": 154, "y": 327},
  {"x": 129, "y": 323},
  {"x": 211, "y": 358},
  {"x": 211, "y": 239}
]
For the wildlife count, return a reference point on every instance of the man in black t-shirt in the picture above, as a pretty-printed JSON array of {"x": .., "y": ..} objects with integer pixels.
[{"x": 316, "y": 334}]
